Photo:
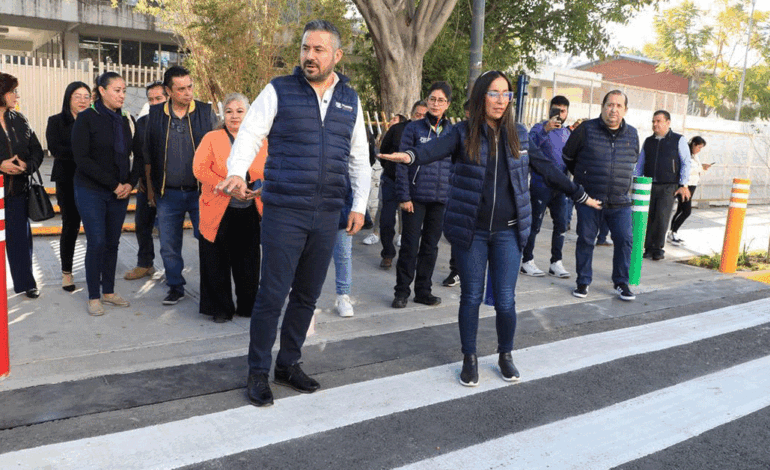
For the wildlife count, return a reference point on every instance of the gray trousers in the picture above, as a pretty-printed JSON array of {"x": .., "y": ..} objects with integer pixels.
[{"x": 661, "y": 205}]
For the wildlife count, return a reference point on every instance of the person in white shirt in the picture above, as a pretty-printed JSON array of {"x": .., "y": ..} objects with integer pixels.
[
  {"x": 684, "y": 208},
  {"x": 318, "y": 149}
]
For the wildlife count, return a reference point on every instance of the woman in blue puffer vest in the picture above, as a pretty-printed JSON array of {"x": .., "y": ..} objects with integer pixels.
[{"x": 488, "y": 213}]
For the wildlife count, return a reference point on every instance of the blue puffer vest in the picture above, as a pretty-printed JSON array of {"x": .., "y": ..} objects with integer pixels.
[
  {"x": 605, "y": 164},
  {"x": 661, "y": 158},
  {"x": 423, "y": 183},
  {"x": 307, "y": 168},
  {"x": 467, "y": 185}
]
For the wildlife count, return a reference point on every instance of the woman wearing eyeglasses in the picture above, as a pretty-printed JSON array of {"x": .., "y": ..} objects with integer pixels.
[
  {"x": 422, "y": 194},
  {"x": 101, "y": 145},
  {"x": 488, "y": 213},
  {"x": 58, "y": 133},
  {"x": 20, "y": 156}
]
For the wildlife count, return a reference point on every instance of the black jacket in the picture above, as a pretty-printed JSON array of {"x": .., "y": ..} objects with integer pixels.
[
  {"x": 58, "y": 133},
  {"x": 391, "y": 142},
  {"x": 24, "y": 143},
  {"x": 92, "y": 148}
]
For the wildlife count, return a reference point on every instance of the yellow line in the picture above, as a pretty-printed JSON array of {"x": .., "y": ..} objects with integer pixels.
[{"x": 56, "y": 230}]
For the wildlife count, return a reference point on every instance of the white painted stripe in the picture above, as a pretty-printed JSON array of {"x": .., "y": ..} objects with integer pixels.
[
  {"x": 741, "y": 186},
  {"x": 179, "y": 443},
  {"x": 2, "y": 214},
  {"x": 740, "y": 197},
  {"x": 2, "y": 192},
  {"x": 640, "y": 197},
  {"x": 739, "y": 205},
  {"x": 640, "y": 208},
  {"x": 643, "y": 186},
  {"x": 625, "y": 431},
  {"x": 2, "y": 235}
]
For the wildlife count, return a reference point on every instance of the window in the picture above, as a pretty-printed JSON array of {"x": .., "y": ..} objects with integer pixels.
[{"x": 129, "y": 52}]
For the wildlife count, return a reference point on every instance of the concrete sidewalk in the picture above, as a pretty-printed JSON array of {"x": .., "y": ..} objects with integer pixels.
[{"x": 53, "y": 339}]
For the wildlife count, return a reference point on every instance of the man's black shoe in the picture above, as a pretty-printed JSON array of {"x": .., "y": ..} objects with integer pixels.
[
  {"x": 581, "y": 291},
  {"x": 657, "y": 256},
  {"x": 258, "y": 390},
  {"x": 33, "y": 293},
  {"x": 470, "y": 373},
  {"x": 399, "y": 302},
  {"x": 452, "y": 280},
  {"x": 428, "y": 300},
  {"x": 173, "y": 297},
  {"x": 647, "y": 255},
  {"x": 507, "y": 369},
  {"x": 292, "y": 376},
  {"x": 624, "y": 292}
]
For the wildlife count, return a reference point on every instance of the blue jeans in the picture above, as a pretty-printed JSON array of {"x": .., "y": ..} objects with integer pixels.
[
  {"x": 604, "y": 230},
  {"x": 619, "y": 222},
  {"x": 343, "y": 262},
  {"x": 172, "y": 208},
  {"x": 556, "y": 201},
  {"x": 296, "y": 250},
  {"x": 18, "y": 243},
  {"x": 388, "y": 216},
  {"x": 501, "y": 251},
  {"x": 103, "y": 215}
]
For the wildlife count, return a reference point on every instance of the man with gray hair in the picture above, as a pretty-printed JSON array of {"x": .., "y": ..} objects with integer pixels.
[
  {"x": 601, "y": 153},
  {"x": 318, "y": 150}
]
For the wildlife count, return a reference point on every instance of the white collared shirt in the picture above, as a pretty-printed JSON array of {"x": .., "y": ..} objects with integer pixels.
[{"x": 256, "y": 126}]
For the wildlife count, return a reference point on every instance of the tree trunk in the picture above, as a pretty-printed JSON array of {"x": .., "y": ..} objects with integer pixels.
[{"x": 400, "y": 41}]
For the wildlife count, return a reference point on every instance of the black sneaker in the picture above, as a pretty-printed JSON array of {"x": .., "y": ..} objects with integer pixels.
[
  {"x": 470, "y": 373},
  {"x": 258, "y": 390},
  {"x": 647, "y": 255},
  {"x": 399, "y": 302},
  {"x": 452, "y": 280},
  {"x": 292, "y": 376},
  {"x": 658, "y": 255},
  {"x": 624, "y": 292},
  {"x": 173, "y": 297},
  {"x": 507, "y": 369},
  {"x": 427, "y": 300},
  {"x": 580, "y": 291}
]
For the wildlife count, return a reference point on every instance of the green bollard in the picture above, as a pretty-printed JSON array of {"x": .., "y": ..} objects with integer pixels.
[{"x": 641, "y": 208}]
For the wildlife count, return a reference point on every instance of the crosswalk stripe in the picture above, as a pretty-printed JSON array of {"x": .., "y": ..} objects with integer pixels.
[
  {"x": 179, "y": 443},
  {"x": 625, "y": 431}
]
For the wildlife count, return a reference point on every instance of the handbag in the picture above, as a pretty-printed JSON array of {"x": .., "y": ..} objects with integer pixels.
[{"x": 39, "y": 205}]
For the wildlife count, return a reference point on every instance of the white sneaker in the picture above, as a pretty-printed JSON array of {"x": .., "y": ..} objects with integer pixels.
[
  {"x": 557, "y": 269},
  {"x": 371, "y": 239},
  {"x": 675, "y": 240},
  {"x": 398, "y": 240},
  {"x": 530, "y": 269},
  {"x": 344, "y": 307}
]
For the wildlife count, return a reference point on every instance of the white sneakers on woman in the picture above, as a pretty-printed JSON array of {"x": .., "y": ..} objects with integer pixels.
[{"x": 344, "y": 307}]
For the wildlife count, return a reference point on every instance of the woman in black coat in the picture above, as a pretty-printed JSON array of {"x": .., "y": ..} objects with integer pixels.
[
  {"x": 77, "y": 98},
  {"x": 20, "y": 155},
  {"x": 101, "y": 145}
]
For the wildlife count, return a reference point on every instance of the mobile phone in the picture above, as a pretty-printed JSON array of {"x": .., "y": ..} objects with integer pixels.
[
  {"x": 256, "y": 184},
  {"x": 554, "y": 112}
]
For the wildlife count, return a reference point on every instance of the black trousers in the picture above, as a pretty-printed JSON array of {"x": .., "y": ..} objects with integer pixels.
[
  {"x": 234, "y": 251},
  {"x": 420, "y": 233},
  {"x": 144, "y": 218},
  {"x": 683, "y": 210},
  {"x": 661, "y": 204},
  {"x": 18, "y": 243},
  {"x": 70, "y": 223}
]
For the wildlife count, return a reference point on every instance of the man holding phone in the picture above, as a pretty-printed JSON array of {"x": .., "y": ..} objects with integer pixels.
[{"x": 550, "y": 136}]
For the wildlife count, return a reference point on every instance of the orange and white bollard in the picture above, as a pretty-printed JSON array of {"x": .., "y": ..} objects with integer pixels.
[
  {"x": 739, "y": 199},
  {"x": 5, "y": 355}
]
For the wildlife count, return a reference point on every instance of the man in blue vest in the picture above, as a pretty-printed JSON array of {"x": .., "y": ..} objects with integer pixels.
[
  {"x": 314, "y": 125},
  {"x": 665, "y": 157},
  {"x": 601, "y": 153},
  {"x": 174, "y": 130}
]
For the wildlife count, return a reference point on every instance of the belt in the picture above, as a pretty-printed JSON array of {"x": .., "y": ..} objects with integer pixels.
[{"x": 186, "y": 189}]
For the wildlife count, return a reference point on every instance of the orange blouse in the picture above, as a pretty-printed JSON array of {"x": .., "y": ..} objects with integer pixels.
[{"x": 210, "y": 167}]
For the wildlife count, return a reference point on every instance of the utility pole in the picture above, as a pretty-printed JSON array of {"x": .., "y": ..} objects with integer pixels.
[
  {"x": 477, "y": 43},
  {"x": 745, "y": 63}
]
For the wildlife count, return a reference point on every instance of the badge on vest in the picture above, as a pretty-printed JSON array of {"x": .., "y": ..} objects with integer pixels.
[{"x": 343, "y": 106}]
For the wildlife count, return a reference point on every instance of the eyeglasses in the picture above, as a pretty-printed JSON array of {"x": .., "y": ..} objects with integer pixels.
[
  {"x": 81, "y": 97},
  {"x": 505, "y": 95},
  {"x": 16, "y": 92},
  {"x": 433, "y": 99}
]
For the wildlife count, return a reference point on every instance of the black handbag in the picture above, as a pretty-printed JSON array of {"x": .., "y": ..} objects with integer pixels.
[{"x": 39, "y": 205}]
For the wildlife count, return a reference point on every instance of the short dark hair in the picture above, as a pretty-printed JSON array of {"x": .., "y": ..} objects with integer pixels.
[
  {"x": 615, "y": 92},
  {"x": 154, "y": 84},
  {"x": 8, "y": 83},
  {"x": 444, "y": 87},
  {"x": 559, "y": 100},
  {"x": 663, "y": 112},
  {"x": 323, "y": 25},
  {"x": 104, "y": 81},
  {"x": 418, "y": 103},
  {"x": 174, "y": 71}
]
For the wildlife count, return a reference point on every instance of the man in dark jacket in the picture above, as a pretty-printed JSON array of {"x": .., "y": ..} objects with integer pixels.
[
  {"x": 601, "y": 153},
  {"x": 144, "y": 216},
  {"x": 315, "y": 129},
  {"x": 390, "y": 144},
  {"x": 665, "y": 157},
  {"x": 174, "y": 130}
]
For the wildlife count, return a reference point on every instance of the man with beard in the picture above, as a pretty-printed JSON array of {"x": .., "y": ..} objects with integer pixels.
[{"x": 314, "y": 125}]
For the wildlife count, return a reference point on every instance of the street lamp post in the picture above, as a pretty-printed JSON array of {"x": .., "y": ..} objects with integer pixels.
[{"x": 745, "y": 63}]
